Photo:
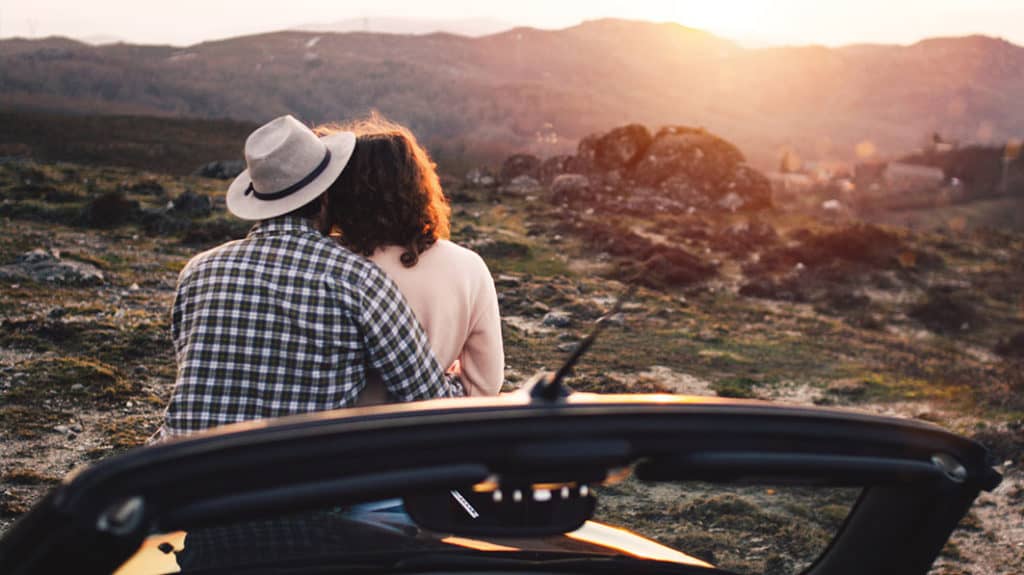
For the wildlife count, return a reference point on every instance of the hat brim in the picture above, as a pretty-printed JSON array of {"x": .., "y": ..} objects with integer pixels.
[{"x": 249, "y": 207}]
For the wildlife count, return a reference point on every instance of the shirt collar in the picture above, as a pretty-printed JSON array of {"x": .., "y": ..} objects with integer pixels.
[{"x": 281, "y": 226}]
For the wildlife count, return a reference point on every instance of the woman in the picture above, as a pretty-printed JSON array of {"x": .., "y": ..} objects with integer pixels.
[{"x": 388, "y": 206}]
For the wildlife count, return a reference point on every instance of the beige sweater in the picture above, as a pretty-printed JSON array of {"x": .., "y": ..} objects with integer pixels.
[{"x": 452, "y": 294}]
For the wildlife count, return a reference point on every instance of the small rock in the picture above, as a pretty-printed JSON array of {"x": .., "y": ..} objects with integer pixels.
[
  {"x": 617, "y": 319},
  {"x": 539, "y": 308},
  {"x": 732, "y": 202},
  {"x": 62, "y": 429},
  {"x": 568, "y": 346},
  {"x": 134, "y": 287},
  {"x": 507, "y": 281},
  {"x": 45, "y": 266},
  {"x": 77, "y": 387},
  {"x": 76, "y": 427},
  {"x": 481, "y": 178},
  {"x": 222, "y": 170},
  {"x": 141, "y": 370},
  {"x": 128, "y": 404},
  {"x": 570, "y": 188},
  {"x": 522, "y": 186},
  {"x": 848, "y": 388},
  {"x": 557, "y": 319}
]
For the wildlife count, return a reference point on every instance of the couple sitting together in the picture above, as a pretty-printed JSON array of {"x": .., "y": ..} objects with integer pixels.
[{"x": 346, "y": 292}]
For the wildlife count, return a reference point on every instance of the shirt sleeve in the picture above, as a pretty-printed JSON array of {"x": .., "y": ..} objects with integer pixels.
[
  {"x": 178, "y": 316},
  {"x": 482, "y": 361},
  {"x": 396, "y": 345}
]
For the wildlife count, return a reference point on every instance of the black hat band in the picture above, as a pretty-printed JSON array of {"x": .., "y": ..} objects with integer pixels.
[{"x": 294, "y": 187}]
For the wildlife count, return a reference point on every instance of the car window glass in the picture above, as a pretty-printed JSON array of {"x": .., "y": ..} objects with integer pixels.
[{"x": 744, "y": 529}]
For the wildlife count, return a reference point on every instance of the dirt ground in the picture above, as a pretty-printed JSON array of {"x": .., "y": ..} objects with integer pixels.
[{"x": 86, "y": 368}]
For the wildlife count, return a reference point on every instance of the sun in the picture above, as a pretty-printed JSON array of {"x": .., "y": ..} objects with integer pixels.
[{"x": 721, "y": 17}]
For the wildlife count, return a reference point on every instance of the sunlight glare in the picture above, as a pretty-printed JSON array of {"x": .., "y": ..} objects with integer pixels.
[{"x": 725, "y": 17}]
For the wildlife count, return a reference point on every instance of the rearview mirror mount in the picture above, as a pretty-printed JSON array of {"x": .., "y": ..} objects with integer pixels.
[{"x": 506, "y": 511}]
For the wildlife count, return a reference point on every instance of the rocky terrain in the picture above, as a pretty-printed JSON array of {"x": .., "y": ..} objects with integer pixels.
[{"x": 735, "y": 299}]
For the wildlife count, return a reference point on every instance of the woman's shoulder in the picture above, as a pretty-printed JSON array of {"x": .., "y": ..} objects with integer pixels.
[
  {"x": 453, "y": 253},
  {"x": 452, "y": 250}
]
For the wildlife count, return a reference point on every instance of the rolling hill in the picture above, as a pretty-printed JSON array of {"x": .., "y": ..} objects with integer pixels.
[{"x": 476, "y": 99}]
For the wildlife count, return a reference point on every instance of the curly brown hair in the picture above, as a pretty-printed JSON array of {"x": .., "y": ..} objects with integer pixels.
[{"x": 388, "y": 193}]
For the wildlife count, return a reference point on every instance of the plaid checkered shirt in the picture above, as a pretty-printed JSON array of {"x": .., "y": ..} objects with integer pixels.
[{"x": 287, "y": 321}]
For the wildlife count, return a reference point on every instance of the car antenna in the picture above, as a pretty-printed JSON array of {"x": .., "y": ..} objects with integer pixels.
[{"x": 549, "y": 386}]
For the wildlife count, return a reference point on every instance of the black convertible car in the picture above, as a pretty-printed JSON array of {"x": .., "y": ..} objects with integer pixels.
[{"x": 541, "y": 481}]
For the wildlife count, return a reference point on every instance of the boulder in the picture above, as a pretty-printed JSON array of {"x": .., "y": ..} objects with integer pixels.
[
  {"x": 46, "y": 266},
  {"x": 221, "y": 169},
  {"x": 192, "y": 204},
  {"x": 707, "y": 160},
  {"x": 109, "y": 210},
  {"x": 570, "y": 189},
  {"x": 753, "y": 186},
  {"x": 683, "y": 189},
  {"x": 622, "y": 147},
  {"x": 553, "y": 167},
  {"x": 585, "y": 159},
  {"x": 520, "y": 165}
]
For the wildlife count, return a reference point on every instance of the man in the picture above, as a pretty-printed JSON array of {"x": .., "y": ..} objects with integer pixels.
[{"x": 287, "y": 321}]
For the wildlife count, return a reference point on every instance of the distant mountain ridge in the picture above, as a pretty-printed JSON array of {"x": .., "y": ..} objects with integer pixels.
[
  {"x": 541, "y": 90},
  {"x": 472, "y": 27}
]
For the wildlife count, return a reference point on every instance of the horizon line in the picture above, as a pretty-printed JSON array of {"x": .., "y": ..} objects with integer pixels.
[{"x": 748, "y": 43}]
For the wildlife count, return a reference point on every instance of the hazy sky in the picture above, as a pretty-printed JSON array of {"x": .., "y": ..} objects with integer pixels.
[{"x": 828, "y": 22}]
